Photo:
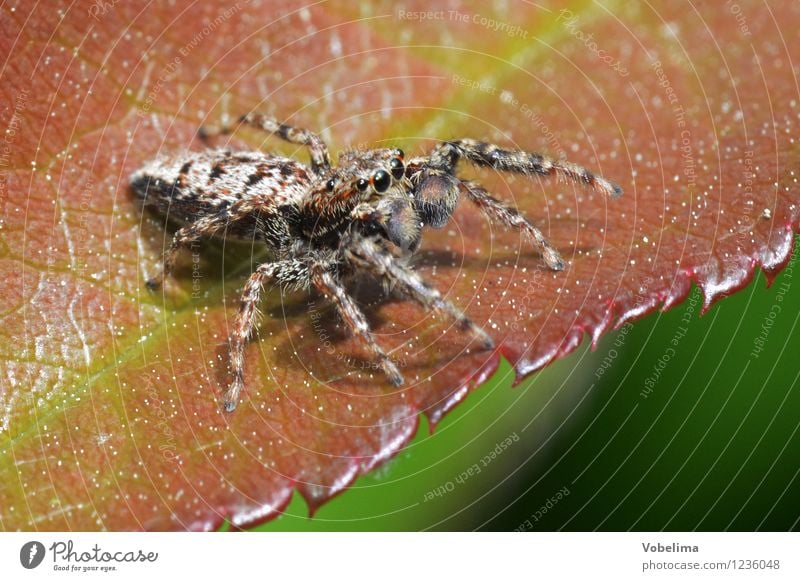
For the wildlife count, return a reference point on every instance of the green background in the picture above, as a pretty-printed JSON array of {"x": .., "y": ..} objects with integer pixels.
[{"x": 715, "y": 446}]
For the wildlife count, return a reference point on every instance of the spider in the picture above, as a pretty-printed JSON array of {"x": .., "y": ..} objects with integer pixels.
[{"x": 325, "y": 224}]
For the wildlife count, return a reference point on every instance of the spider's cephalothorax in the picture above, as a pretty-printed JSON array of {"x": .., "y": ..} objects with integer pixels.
[{"x": 324, "y": 224}]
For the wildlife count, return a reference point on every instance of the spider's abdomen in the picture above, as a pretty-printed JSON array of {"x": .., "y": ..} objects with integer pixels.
[{"x": 198, "y": 184}]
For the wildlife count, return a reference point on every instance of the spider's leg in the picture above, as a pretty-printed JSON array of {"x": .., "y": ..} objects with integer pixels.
[
  {"x": 286, "y": 273},
  {"x": 370, "y": 255},
  {"x": 511, "y": 217},
  {"x": 489, "y": 155},
  {"x": 320, "y": 160},
  {"x": 335, "y": 292},
  {"x": 188, "y": 235}
]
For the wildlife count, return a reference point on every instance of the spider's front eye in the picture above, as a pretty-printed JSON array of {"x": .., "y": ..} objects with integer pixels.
[
  {"x": 329, "y": 185},
  {"x": 362, "y": 184},
  {"x": 381, "y": 181},
  {"x": 399, "y": 153},
  {"x": 398, "y": 169}
]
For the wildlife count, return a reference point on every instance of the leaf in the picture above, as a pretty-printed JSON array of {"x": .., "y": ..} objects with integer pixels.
[{"x": 110, "y": 415}]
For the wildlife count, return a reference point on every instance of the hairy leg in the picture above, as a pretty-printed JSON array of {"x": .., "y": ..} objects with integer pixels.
[
  {"x": 286, "y": 273},
  {"x": 320, "y": 160},
  {"x": 368, "y": 254},
  {"x": 446, "y": 155},
  {"x": 335, "y": 292},
  {"x": 511, "y": 217},
  {"x": 188, "y": 235}
]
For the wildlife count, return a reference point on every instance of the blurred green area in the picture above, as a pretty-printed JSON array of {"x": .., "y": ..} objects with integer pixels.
[{"x": 677, "y": 422}]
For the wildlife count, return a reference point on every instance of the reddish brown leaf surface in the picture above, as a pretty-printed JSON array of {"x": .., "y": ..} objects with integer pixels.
[{"x": 109, "y": 402}]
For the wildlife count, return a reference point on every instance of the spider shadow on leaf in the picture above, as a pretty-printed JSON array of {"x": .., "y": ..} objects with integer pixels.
[
  {"x": 210, "y": 264},
  {"x": 289, "y": 319}
]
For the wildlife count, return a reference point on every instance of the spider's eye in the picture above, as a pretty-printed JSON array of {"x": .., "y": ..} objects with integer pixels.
[
  {"x": 362, "y": 184},
  {"x": 397, "y": 167},
  {"x": 381, "y": 181},
  {"x": 329, "y": 185},
  {"x": 399, "y": 153}
]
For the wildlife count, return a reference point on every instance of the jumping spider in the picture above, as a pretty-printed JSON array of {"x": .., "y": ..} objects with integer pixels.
[{"x": 324, "y": 224}]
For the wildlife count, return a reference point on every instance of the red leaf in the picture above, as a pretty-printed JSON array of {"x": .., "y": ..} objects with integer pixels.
[{"x": 110, "y": 414}]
